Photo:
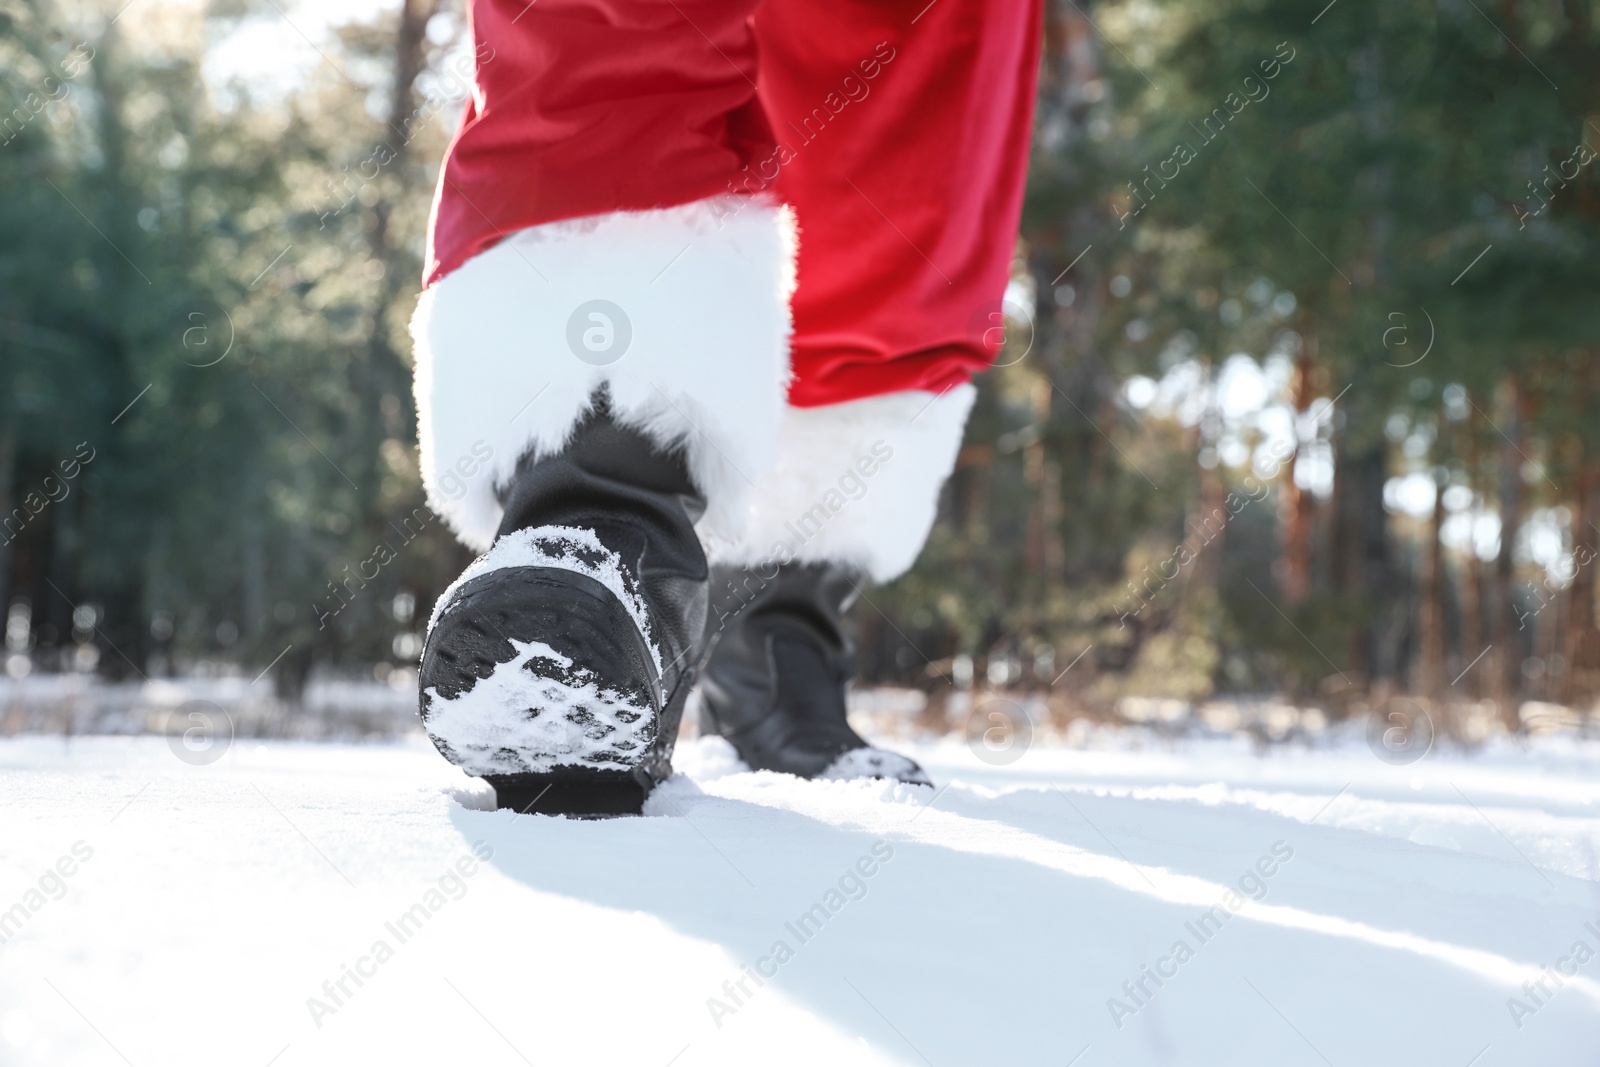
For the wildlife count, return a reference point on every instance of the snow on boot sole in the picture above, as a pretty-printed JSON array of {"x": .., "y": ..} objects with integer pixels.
[{"x": 541, "y": 680}]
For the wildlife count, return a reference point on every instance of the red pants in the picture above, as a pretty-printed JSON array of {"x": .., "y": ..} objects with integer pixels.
[{"x": 896, "y": 129}]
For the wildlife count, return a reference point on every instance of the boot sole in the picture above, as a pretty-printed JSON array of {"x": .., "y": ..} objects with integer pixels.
[
  {"x": 585, "y": 793},
  {"x": 576, "y": 792},
  {"x": 576, "y": 619}
]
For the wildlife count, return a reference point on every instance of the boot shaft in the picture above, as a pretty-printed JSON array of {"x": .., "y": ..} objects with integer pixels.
[{"x": 640, "y": 501}]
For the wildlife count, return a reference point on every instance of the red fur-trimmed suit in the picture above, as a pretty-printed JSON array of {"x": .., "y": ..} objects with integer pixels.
[{"x": 804, "y": 209}]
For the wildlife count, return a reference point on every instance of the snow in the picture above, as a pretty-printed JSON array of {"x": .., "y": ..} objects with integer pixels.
[
  {"x": 528, "y": 717},
  {"x": 1334, "y": 910},
  {"x": 874, "y": 763}
]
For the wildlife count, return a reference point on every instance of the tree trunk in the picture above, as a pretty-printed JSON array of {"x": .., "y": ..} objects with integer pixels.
[
  {"x": 1579, "y": 682},
  {"x": 8, "y": 457},
  {"x": 384, "y": 371},
  {"x": 1041, "y": 531},
  {"x": 127, "y": 289},
  {"x": 1470, "y": 582},
  {"x": 1360, "y": 553},
  {"x": 1295, "y": 566},
  {"x": 410, "y": 38},
  {"x": 1429, "y": 675},
  {"x": 1547, "y": 633},
  {"x": 63, "y": 555},
  {"x": 1206, "y": 532},
  {"x": 1507, "y": 676},
  {"x": 1470, "y": 579}
]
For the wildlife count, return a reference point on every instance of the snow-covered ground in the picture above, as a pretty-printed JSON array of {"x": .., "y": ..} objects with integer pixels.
[{"x": 302, "y": 903}]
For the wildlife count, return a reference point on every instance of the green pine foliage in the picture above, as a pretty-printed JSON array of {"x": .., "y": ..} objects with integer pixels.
[{"x": 204, "y": 287}]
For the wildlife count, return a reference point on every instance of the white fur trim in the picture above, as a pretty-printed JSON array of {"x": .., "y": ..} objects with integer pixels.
[
  {"x": 823, "y": 505},
  {"x": 705, "y": 288}
]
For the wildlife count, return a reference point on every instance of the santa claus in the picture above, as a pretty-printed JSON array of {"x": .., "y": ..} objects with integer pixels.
[{"x": 706, "y": 284}]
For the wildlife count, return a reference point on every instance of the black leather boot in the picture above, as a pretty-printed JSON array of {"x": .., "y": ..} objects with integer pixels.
[
  {"x": 557, "y": 666},
  {"x": 775, "y": 682}
]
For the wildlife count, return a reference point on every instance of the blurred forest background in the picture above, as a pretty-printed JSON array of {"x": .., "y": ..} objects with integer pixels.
[{"x": 1299, "y": 394}]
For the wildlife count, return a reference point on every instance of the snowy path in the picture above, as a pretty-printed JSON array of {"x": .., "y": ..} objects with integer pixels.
[{"x": 1405, "y": 905}]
